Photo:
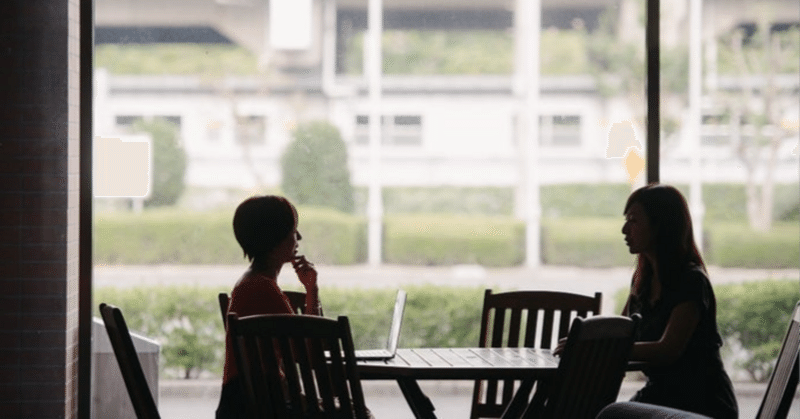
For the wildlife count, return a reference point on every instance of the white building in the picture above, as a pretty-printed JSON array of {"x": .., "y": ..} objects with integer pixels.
[{"x": 437, "y": 130}]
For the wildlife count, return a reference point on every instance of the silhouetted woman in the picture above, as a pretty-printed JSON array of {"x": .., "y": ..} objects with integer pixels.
[
  {"x": 266, "y": 229},
  {"x": 677, "y": 335}
]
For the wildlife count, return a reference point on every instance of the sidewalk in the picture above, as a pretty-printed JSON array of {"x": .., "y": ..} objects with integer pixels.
[
  {"x": 197, "y": 399},
  {"x": 210, "y": 388}
]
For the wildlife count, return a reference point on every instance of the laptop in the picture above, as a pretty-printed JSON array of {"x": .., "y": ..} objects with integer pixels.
[{"x": 394, "y": 334}]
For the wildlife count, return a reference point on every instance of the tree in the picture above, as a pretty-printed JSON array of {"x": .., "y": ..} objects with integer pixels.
[
  {"x": 169, "y": 162},
  {"x": 755, "y": 106},
  {"x": 616, "y": 61},
  {"x": 315, "y": 170}
]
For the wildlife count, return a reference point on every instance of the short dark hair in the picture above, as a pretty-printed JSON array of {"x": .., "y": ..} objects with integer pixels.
[{"x": 260, "y": 223}]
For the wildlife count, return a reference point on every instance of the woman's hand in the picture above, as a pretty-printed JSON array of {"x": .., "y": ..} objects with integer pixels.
[
  {"x": 306, "y": 272},
  {"x": 560, "y": 347},
  {"x": 308, "y": 277}
]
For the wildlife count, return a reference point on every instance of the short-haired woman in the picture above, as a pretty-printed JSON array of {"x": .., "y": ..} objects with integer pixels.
[{"x": 266, "y": 229}]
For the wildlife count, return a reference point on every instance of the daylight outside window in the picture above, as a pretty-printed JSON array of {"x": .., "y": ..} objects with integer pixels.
[{"x": 508, "y": 142}]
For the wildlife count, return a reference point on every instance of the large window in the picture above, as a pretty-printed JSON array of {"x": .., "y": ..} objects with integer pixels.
[{"x": 481, "y": 158}]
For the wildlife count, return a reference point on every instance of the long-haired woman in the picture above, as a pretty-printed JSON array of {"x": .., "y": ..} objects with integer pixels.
[{"x": 677, "y": 336}]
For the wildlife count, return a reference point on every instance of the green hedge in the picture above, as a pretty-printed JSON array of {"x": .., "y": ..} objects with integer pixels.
[
  {"x": 587, "y": 242},
  {"x": 164, "y": 237},
  {"x": 736, "y": 245},
  {"x": 438, "y": 239},
  {"x": 332, "y": 237},
  {"x": 177, "y": 237},
  {"x": 434, "y": 316},
  {"x": 756, "y": 315},
  {"x": 187, "y": 323},
  {"x": 723, "y": 201},
  {"x": 493, "y": 201}
]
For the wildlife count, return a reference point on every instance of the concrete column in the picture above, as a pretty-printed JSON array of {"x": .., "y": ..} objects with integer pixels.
[
  {"x": 528, "y": 21},
  {"x": 39, "y": 173},
  {"x": 695, "y": 117},
  {"x": 374, "y": 67}
]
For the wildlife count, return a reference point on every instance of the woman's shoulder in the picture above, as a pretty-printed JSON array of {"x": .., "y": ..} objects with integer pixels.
[
  {"x": 694, "y": 285},
  {"x": 695, "y": 272}
]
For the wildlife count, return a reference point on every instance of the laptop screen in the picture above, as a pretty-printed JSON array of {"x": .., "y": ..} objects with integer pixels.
[{"x": 397, "y": 321}]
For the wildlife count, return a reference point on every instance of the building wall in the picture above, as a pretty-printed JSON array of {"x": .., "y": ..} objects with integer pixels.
[
  {"x": 467, "y": 136},
  {"x": 39, "y": 153}
]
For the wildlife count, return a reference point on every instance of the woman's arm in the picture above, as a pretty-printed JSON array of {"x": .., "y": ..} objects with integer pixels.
[
  {"x": 307, "y": 275},
  {"x": 681, "y": 325},
  {"x": 312, "y": 301},
  {"x": 626, "y": 308}
]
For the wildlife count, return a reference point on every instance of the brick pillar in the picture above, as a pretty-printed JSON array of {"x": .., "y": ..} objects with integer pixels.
[{"x": 39, "y": 156}]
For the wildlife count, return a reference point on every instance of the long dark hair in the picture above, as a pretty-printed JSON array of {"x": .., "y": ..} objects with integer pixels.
[
  {"x": 260, "y": 223},
  {"x": 673, "y": 238}
]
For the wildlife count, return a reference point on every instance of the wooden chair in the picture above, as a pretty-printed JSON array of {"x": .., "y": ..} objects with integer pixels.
[
  {"x": 143, "y": 403},
  {"x": 297, "y": 299},
  {"x": 297, "y": 366},
  {"x": 519, "y": 313},
  {"x": 590, "y": 372},
  {"x": 777, "y": 399}
]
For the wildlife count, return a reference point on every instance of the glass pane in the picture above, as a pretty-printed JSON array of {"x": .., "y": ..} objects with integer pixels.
[{"x": 509, "y": 143}]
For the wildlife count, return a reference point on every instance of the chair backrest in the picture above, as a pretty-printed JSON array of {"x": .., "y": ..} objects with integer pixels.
[
  {"x": 297, "y": 366},
  {"x": 512, "y": 319},
  {"x": 143, "y": 403},
  {"x": 591, "y": 369},
  {"x": 297, "y": 299},
  {"x": 783, "y": 382}
]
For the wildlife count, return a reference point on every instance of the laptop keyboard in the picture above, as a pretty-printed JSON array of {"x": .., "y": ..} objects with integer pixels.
[{"x": 371, "y": 352}]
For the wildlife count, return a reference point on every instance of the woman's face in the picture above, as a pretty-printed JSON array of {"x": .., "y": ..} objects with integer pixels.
[
  {"x": 286, "y": 250},
  {"x": 637, "y": 230}
]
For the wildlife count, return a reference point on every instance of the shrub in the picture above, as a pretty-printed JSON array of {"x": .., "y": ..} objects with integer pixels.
[
  {"x": 332, "y": 237},
  {"x": 449, "y": 199},
  {"x": 434, "y": 316},
  {"x": 165, "y": 237},
  {"x": 447, "y": 240},
  {"x": 169, "y": 162},
  {"x": 736, "y": 245},
  {"x": 315, "y": 170},
  {"x": 587, "y": 242},
  {"x": 584, "y": 200},
  {"x": 169, "y": 236},
  {"x": 185, "y": 320},
  {"x": 756, "y": 314}
]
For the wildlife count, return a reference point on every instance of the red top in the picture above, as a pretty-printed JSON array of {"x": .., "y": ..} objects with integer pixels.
[{"x": 253, "y": 294}]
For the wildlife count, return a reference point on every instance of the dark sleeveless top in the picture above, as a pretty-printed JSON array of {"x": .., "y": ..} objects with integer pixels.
[{"x": 696, "y": 381}]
